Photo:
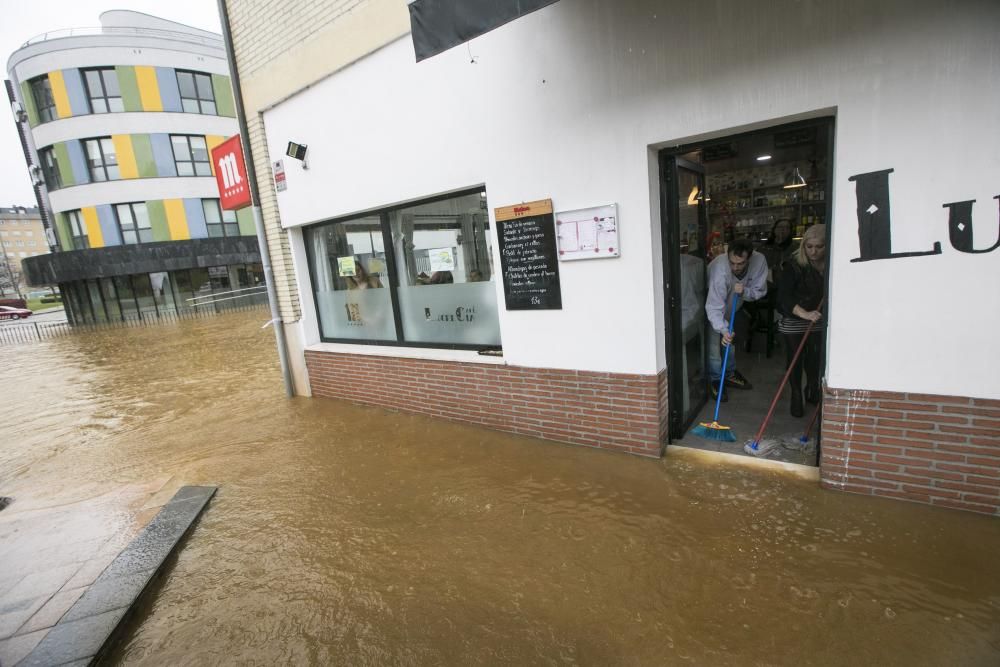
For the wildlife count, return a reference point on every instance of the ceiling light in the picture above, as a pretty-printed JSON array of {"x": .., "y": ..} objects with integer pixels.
[{"x": 763, "y": 158}]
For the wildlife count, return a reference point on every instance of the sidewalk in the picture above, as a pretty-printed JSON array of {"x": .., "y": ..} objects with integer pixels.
[{"x": 52, "y": 555}]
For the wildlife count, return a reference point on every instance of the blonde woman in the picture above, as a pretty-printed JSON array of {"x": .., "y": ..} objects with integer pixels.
[{"x": 801, "y": 291}]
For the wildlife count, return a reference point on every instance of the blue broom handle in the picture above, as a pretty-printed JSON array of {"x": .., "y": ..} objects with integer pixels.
[{"x": 725, "y": 359}]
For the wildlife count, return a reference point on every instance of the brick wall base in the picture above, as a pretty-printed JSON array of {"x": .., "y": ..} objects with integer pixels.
[
  {"x": 626, "y": 413},
  {"x": 939, "y": 450}
]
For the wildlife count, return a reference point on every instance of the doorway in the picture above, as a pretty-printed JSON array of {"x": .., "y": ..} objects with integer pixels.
[{"x": 761, "y": 190}]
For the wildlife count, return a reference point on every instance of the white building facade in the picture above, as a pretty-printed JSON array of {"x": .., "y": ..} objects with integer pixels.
[{"x": 581, "y": 104}]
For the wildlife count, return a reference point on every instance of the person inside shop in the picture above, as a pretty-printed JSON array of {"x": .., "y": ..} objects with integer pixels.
[
  {"x": 441, "y": 278},
  {"x": 801, "y": 298},
  {"x": 777, "y": 249},
  {"x": 361, "y": 278},
  {"x": 741, "y": 271}
]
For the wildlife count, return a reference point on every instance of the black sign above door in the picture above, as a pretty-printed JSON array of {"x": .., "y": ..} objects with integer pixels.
[{"x": 529, "y": 258}]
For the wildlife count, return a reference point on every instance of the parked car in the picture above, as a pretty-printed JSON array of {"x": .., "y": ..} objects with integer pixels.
[
  {"x": 14, "y": 303},
  {"x": 8, "y": 313}
]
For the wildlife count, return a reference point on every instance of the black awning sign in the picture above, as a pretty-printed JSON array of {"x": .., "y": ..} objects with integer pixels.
[{"x": 438, "y": 25}]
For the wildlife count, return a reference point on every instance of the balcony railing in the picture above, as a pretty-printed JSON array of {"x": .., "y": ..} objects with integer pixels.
[{"x": 177, "y": 35}]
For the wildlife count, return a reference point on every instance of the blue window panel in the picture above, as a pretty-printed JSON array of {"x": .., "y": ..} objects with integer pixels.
[
  {"x": 109, "y": 226},
  {"x": 163, "y": 155},
  {"x": 196, "y": 218},
  {"x": 170, "y": 95},
  {"x": 78, "y": 102},
  {"x": 81, "y": 174}
]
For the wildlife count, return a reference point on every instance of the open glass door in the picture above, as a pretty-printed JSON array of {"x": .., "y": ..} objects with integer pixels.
[{"x": 684, "y": 253}]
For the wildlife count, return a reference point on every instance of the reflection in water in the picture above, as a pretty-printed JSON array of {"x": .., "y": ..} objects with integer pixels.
[{"x": 349, "y": 535}]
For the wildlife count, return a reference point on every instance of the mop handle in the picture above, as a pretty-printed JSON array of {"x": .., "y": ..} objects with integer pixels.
[
  {"x": 725, "y": 359},
  {"x": 812, "y": 422},
  {"x": 784, "y": 380}
]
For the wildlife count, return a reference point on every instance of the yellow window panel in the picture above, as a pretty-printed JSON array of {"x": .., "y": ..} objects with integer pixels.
[
  {"x": 93, "y": 224},
  {"x": 126, "y": 156},
  {"x": 149, "y": 89},
  {"x": 176, "y": 219},
  {"x": 59, "y": 94}
]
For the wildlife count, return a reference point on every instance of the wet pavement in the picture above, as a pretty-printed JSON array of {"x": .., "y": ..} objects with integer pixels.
[{"x": 343, "y": 534}]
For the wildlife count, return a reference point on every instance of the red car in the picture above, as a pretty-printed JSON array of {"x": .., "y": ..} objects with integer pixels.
[{"x": 8, "y": 313}]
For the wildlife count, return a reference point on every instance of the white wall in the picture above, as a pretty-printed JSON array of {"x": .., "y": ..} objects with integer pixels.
[
  {"x": 568, "y": 103},
  {"x": 133, "y": 189}
]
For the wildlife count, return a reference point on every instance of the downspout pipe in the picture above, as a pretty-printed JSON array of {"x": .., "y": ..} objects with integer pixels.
[{"x": 265, "y": 252}]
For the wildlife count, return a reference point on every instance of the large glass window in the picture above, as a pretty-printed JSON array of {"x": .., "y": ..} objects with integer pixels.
[
  {"x": 190, "y": 155},
  {"x": 102, "y": 159},
  {"x": 197, "y": 95},
  {"x": 50, "y": 168},
  {"x": 162, "y": 293},
  {"x": 41, "y": 90},
  {"x": 102, "y": 90},
  {"x": 218, "y": 221},
  {"x": 126, "y": 297},
  {"x": 77, "y": 230},
  {"x": 433, "y": 286},
  {"x": 144, "y": 294},
  {"x": 133, "y": 220}
]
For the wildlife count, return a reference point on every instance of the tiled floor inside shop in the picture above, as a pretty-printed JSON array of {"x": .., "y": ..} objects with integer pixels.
[{"x": 745, "y": 410}]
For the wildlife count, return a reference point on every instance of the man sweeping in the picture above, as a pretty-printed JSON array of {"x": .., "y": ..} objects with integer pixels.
[{"x": 740, "y": 271}]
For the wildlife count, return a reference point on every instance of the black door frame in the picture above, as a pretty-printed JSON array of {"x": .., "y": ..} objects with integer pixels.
[{"x": 669, "y": 159}]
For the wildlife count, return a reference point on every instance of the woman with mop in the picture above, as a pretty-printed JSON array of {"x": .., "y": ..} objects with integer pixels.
[{"x": 801, "y": 292}]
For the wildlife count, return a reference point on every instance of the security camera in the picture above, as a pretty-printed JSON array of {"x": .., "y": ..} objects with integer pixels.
[{"x": 298, "y": 152}]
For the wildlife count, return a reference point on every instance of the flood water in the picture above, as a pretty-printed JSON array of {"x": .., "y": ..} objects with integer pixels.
[{"x": 343, "y": 534}]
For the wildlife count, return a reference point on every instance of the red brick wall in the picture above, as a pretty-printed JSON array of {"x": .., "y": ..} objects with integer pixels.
[
  {"x": 612, "y": 411},
  {"x": 940, "y": 450}
]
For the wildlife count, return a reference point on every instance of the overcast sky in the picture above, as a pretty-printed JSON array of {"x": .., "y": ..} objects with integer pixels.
[{"x": 24, "y": 19}]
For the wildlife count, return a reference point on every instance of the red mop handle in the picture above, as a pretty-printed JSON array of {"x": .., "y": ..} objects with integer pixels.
[
  {"x": 784, "y": 380},
  {"x": 812, "y": 420}
]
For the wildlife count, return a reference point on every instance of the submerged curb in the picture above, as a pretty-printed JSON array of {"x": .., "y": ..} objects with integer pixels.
[{"x": 88, "y": 627}]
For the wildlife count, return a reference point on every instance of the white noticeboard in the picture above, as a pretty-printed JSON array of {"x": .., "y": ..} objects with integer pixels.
[{"x": 588, "y": 233}]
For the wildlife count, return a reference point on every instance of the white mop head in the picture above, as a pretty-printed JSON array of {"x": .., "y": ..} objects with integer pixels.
[{"x": 762, "y": 448}]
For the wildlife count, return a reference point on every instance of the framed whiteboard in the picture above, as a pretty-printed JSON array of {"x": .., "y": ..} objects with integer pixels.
[{"x": 588, "y": 233}]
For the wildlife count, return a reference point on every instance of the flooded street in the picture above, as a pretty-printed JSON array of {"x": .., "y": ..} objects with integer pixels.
[{"x": 343, "y": 534}]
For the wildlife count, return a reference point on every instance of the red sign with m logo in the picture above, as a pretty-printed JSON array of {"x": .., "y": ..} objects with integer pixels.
[{"x": 231, "y": 174}]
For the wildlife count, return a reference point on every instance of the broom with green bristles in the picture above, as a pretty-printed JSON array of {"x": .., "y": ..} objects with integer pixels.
[{"x": 715, "y": 430}]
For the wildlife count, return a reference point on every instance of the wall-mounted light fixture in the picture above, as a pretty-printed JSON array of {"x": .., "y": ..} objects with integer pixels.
[
  {"x": 297, "y": 152},
  {"x": 19, "y": 112},
  {"x": 797, "y": 181}
]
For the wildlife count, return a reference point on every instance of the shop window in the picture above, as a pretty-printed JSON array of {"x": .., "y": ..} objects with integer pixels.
[
  {"x": 190, "y": 155},
  {"x": 218, "y": 221},
  {"x": 103, "y": 91},
  {"x": 102, "y": 159},
  {"x": 45, "y": 103},
  {"x": 77, "y": 230},
  {"x": 50, "y": 168},
  {"x": 197, "y": 95},
  {"x": 133, "y": 220},
  {"x": 418, "y": 275}
]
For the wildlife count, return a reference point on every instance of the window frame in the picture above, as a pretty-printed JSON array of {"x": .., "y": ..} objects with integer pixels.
[
  {"x": 104, "y": 90},
  {"x": 194, "y": 163},
  {"x": 78, "y": 230},
  {"x": 40, "y": 87},
  {"x": 135, "y": 228},
  {"x": 383, "y": 214},
  {"x": 104, "y": 160},
  {"x": 223, "y": 223},
  {"x": 51, "y": 173},
  {"x": 197, "y": 99}
]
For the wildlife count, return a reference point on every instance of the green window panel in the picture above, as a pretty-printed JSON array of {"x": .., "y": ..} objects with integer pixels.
[
  {"x": 244, "y": 217},
  {"x": 223, "y": 96},
  {"x": 158, "y": 220},
  {"x": 129, "y": 88},
  {"x": 144, "y": 160},
  {"x": 62, "y": 229},
  {"x": 29, "y": 104},
  {"x": 65, "y": 166}
]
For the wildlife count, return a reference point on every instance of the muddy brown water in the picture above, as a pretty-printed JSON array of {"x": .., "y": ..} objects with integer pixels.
[{"x": 345, "y": 534}]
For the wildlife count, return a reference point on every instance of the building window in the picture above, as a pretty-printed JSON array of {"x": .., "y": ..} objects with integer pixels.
[
  {"x": 102, "y": 159},
  {"x": 103, "y": 91},
  {"x": 41, "y": 90},
  {"x": 133, "y": 220},
  {"x": 190, "y": 155},
  {"x": 414, "y": 275},
  {"x": 197, "y": 95},
  {"x": 50, "y": 168},
  {"x": 219, "y": 221},
  {"x": 77, "y": 230}
]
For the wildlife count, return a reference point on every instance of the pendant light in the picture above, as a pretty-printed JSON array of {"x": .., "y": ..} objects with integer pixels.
[{"x": 797, "y": 181}]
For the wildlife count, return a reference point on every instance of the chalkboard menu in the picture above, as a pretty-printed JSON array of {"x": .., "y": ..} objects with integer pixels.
[{"x": 529, "y": 259}]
